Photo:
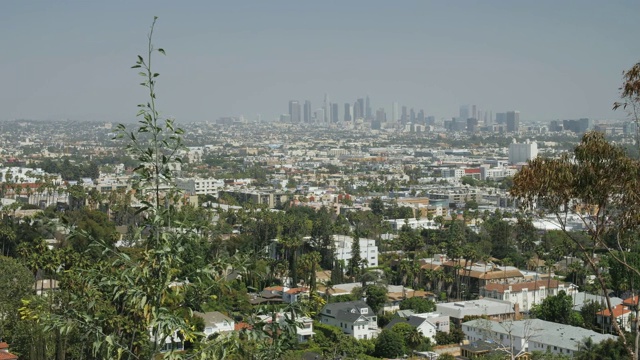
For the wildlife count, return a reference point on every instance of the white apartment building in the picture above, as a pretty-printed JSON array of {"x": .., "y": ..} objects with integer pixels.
[
  {"x": 397, "y": 224},
  {"x": 200, "y": 186},
  {"x": 368, "y": 249},
  {"x": 532, "y": 335},
  {"x": 520, "y": 153},
  {"x": 526, "y": 294},
  {"x": 496, "y": 173}
]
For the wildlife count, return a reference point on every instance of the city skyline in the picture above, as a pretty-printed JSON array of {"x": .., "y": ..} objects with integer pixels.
[{"x": 549, "y": 60}]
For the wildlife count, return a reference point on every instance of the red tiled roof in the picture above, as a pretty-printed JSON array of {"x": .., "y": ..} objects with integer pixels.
[
  {"x": 4, "y": 346},
  {"x": 274, "y": 288},
  {"x": 632, "y": 301},
  {"x": 297, "y": 290},
  {"x": 618, "y": 311},
  {"x": 7, "y": 356},
  {"x": 241, "y": 325}
]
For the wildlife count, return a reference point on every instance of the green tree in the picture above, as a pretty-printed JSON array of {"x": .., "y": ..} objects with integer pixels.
[
  {"x": 355, "y": 263},
  {"x": 389, "y": 344},
  {"x": 377, "y": 206},
  {"x": 418, "y": 305},
  {"x": 558, "y": 308},
  {"x": 376, "y": 297},
  {"x": 598, "y": 184},
  {"x": 17, "y": 284}
]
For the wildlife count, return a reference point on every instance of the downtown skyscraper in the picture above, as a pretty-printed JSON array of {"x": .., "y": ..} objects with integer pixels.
[
  {"x": 295, "y": 111},
  {"x": 307, "y": 111},
  {"x": 347, "y": 112}
]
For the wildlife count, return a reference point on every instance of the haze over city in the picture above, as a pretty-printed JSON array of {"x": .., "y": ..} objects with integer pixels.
[{"x": 547, "y": 59}]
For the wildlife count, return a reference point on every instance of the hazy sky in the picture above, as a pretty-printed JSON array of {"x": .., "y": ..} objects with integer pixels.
[{"x": 548, "y": 59}]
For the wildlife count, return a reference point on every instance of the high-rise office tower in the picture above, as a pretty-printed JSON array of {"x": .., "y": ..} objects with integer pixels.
[
  {"x": 474, "y": 112},
  {"x": 347, "y": 112},
  {"x": 513, "y": 121},
  {"x": 405, "y": 116},
  {"x": 320, "y": 116},
  {"x": 464, "y": 112},
  {"x": 501, "y": 118},
  {"x": 431, "y": 120},
  {"x": 472, "y": 125},
  {"x": 334, "y": 113},
  {"x": 307, "y": 111},
  {"x": 421, "y": 117},
  {"x": 326, "y": 108},
  {"x": 395, "y": 112},
  {"x": 381, "y": 116},
  {"x": 358, "y": 111},
  {"x": 412, "y": 116},
  {"x": 294, "y": 111},
  {"x": 368, "y": 114}
]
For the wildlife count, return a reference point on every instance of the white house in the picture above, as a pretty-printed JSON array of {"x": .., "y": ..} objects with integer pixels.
[
  {"x": 427, "y": 324},
  {"x": 622, "y": 313},
  {"x": 526, "y": 294},
  {"x": 368, "y": 249},
  {"x": 304, "y": 324},
  {"x": 215, "y": 322},
  {"x": 531, "y": 335},
  {"x": 296, "y": 294},
  {"x": 354, "y": 318}
]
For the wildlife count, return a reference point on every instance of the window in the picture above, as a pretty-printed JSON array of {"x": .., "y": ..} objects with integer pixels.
[{"x": 328, "y": 311}]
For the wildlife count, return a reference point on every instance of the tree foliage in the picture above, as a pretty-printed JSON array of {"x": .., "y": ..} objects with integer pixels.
[{"x": 599, "y": 184}]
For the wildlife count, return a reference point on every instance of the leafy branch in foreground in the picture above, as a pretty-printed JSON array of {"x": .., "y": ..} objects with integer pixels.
[{"x": 134, "y": 307}]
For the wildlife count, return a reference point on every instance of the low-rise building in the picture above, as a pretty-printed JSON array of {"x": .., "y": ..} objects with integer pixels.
[
  {"x": 354, "y": 318},
  {"x": 368, "y": 249},
  {"x": 532, "y": 335},
  {"x": 491, "y": 308},
  {"x": 215, "y": 322},
  {"x": 526, "y": 294}
]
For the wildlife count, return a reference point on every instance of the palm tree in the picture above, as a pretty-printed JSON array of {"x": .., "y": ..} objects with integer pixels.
[
  {"x": 586, "y": 350},
  {"x": 414, "y": 339},
  {"x": 328, "y": 288}
]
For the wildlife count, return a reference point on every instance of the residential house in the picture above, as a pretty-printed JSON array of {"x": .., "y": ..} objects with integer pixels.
[
  {"x": 269, "y": 295},
  {"x": 622, "y": 314},
  {"x": 303, "y": 324},
  {"x": 532, "y": 335},
  {"x": 580, "y": 299},
  {"x": 526, "y": 294},
  {"x": 4, "y": 352},
  {"x": 475, "y": 275},
  {"x": 427, "y": 324},
  {"x": 215, "y": 322},
  {"x": 394, "y": 297},
  {"x": 354, "y": 318},
  {"x": 45, "y": 286},
  {"x": 293, "y": 295}
]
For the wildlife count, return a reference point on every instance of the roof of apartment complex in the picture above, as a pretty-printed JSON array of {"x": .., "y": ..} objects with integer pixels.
[
  {"x": 489, "y": 307},
  {"x": 529, "y": 285},
  {"x": 543, "y": 332}
]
